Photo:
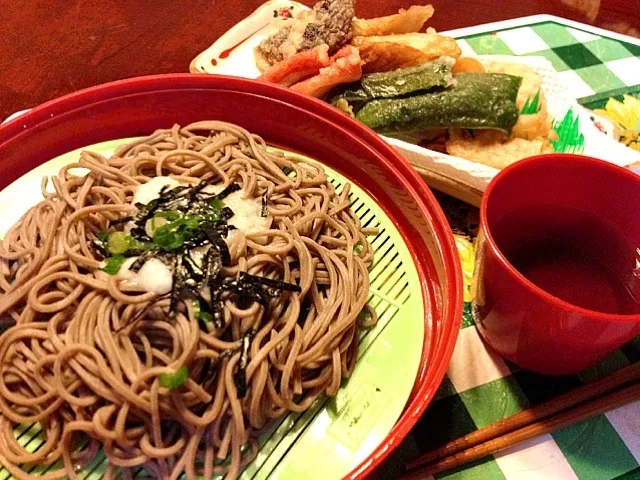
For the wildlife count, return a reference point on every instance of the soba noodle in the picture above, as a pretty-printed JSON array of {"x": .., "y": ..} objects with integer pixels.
[{"x": 86, "y": 352}]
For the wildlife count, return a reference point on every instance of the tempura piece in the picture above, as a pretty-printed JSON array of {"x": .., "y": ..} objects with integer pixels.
[
  {"x": 531, "y": 126},
  {"x": 531, "y": 123},
  {"x": 389, "y": 52},
  {"x": 405, "y": 21},
  {"x": 467, "y": 64},
  {"x": 432, "y": 44},
  {"x": 302, "y": 65},
  {"x": 492, "y": 148},
  {"x": 388, "y": 56},
  {"x": 345, "y": 67},
  {"x": 531, "y": 81},
  {"x": 474, "y": 101},
  {"x": 329, "y": 22}
]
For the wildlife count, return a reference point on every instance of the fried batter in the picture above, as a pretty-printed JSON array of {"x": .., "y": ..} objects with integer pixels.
[
  {"x": 534, "y": 125},
  {"x": 493, "y": 148},
  {"x": 329, "y": 22},
  {"x": 405, "y": 21},
  {"x": 467, "y": 64},
  {"x": 389, "y": 52}
]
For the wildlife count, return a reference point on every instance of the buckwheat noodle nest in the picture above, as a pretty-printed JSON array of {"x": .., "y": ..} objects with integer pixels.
[{"x": 84, "y": 353}]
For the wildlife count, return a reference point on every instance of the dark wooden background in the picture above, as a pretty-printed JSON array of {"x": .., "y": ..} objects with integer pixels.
[{"x": 50, "y": 48}]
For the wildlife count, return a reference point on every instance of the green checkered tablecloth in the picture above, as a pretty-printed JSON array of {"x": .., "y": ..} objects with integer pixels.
[
  {"x": 592, "y": 66},
  {"x": 482, "y": 388}
]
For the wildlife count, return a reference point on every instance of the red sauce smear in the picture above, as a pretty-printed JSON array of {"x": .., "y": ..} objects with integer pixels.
[
  {"x": 227, "y": 52},
  {"x": 214, "y": 62}
]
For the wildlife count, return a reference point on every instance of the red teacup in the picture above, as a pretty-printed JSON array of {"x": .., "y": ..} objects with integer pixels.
[{"x": 557, "y": 282}]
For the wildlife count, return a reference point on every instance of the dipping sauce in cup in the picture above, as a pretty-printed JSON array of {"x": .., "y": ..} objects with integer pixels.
[{"x": 557, "y": 279}]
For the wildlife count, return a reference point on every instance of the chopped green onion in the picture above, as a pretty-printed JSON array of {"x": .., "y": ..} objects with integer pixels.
[
  {"x": 364, "y": 316},
  {"x": 137, "y": 244},
  {"x": 166, "y": 239},
  {"x": 196, "y": 307},
  {"x": 118, "y": 243},
  {"x": 217, "y": 204},
  {"x": 199, "y": 313},
  {"x": 170, "y": 215},
  {"x": 205, "y": 316},
  {"x": 174, "y": 380},
  {"x": 188, "y": 227},
  {"x": 173, "y": 235},
  {"x": 113, "y": 264},
  {"x": 358, "y": 248},
  {"x": 154, "y": 223},
  {"x": 103, "y": 236}
]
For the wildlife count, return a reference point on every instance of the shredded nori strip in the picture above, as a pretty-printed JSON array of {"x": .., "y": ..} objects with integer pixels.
[
  {"x": 212, "y": 265},
  {"x": 139, "y": 233},
  {"x": 195, "y": 273},
  {"x": 263, "y": 210},
  {"x": 120, "y": 221},
  {"x": 251, "y": 288},
  {"x": 226, "y": 213},
  {"x": 178, "y": 284},
  {"x": 194, "y": 191},
  {"x": 217, "y": 317},
  {"x": 214, "y": 231},
  {"x": 234, "y": 187},
  {"x": 101, "y": 247},
  {"x": 148, "y": 255},
  {"x": 181, "y": 198},
  {"x": 240, "y": 376},
  {"x": 246, "y": 292}
]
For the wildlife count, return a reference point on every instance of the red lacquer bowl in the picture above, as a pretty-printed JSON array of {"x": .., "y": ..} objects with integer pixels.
[
  {"x": 569, "y": 322},
  {"x": 291, "y": 121}
]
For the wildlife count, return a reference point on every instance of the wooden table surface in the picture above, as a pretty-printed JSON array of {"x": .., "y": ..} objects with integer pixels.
[{"x": 48, "y": 49}]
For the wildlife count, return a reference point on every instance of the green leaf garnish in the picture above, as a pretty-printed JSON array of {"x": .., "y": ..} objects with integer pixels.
[
  {"x": 174, "y": 380},
  {"x": 531, "y": 106},
  {"x": 570, "y": 139},
  {"x": 113, "y": 264}
]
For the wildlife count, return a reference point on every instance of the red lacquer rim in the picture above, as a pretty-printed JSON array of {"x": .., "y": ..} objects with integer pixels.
[{"x": 439, "y": 343}]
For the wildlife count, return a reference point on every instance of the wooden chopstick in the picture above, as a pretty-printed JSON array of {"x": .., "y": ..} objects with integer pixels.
[
  {"x": 544, "y": 426},
  {"x": 562, "y": 402}
]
